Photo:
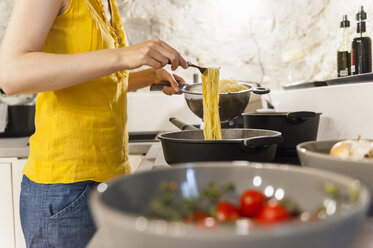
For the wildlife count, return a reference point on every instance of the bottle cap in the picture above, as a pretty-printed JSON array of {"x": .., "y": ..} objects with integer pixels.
[
  {"x": 361, "y": 27},
  {"x": 361, "y": 15},
  {"x": 345, "y": 23}
]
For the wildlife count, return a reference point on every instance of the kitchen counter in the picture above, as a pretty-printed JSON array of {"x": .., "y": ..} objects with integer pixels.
[
  {"x": 154, "y": 159},
  {"x": 19, "y": 147},
  {"x": 14, "y": 147}
]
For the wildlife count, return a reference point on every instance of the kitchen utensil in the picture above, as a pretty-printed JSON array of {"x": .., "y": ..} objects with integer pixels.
[
  {"x": 231, "y": 105},
  {"x": 201, "y": 69},
  {"x": 296, "y": 127},
  {"x": 118, "y": 208},
  {"x": 316, "y": 154},
  {"x": 20, "y": 121},
  {"x": 159, "y": 87},
  {"x": 237, "y": 144}
]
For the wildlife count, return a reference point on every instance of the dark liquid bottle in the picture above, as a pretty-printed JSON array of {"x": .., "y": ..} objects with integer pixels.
[{"x": 361, "y": 47}]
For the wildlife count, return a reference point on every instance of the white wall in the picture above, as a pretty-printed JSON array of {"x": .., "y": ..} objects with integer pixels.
[{"x": 247, "y": 38}]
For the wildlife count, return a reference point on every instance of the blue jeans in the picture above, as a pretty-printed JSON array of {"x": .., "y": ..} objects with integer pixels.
[{"x": 56, "y": 215}]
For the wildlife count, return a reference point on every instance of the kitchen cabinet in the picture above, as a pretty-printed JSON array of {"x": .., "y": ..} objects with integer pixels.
[
  {"x": 7, "y": 237},
  {"x": 17, "y": 167},
  {"x": 10, "y": 225}
]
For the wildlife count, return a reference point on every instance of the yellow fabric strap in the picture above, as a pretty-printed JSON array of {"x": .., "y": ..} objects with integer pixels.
[{"x": 101, "y": 25}]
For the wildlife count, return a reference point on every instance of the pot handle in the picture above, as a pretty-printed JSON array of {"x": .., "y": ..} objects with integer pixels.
[
  {"x": 260, "y": 143},
  {"x": 300, "y": 116},
  {"x": 181, "y": 125},
  {"x": 159, "y": 87},
  {"x": 261, "y": 90}
]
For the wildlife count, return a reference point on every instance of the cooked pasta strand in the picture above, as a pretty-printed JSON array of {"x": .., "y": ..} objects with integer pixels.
[{"x": 210, "y": 93}]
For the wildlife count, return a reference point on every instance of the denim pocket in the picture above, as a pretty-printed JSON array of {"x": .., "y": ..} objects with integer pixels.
[{"x": 64, "y": 199}]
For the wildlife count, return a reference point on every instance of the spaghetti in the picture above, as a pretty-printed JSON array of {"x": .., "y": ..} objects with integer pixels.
[
  {"x": 210, "y": 93},
  {"x": 230, "y": 86}
]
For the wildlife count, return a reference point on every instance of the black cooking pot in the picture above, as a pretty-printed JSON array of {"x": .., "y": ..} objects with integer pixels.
[
  {"x": 20, "y": 121},
  {"x": 296, "y": 127},
  {"x": 237, "y": 144}
]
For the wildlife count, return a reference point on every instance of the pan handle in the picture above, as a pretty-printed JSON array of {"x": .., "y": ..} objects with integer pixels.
[
  {"x": 299, "y": 117},
  {"x": 181, "y": 125},
  {"x": 260, "y": 143},
  {"x": 261, "y": 90}
]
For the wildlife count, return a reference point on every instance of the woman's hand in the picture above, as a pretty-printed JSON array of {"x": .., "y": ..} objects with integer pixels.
[
  {"x": 154, "y": 53},
  {"x": 164, "y": 76}
]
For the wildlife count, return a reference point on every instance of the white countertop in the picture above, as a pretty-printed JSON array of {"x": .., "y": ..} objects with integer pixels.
[
  {"x": 19, "y": 147},
  {"x": 14, "y": 147}
]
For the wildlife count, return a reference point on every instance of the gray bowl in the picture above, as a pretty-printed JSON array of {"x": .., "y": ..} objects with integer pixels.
[
  {"x": 316, "y": 154},
  {"x": 117, "y": 208}
]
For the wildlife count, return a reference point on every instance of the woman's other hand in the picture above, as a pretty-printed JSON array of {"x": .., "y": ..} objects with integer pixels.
[
  {"x": 154, "y": 53},
  {"x": 164, "y": 76}
]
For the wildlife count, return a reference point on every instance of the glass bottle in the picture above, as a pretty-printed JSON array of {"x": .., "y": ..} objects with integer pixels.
[
  {"x": 343, "y": 50},
  {"x": 361, "y": 53}
]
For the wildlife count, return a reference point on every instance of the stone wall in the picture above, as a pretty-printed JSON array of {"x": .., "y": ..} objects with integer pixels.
[{"x": 270, "y": 41}]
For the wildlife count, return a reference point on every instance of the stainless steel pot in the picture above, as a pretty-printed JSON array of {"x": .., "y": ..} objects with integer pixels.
[{"x": 231, "y": 105}]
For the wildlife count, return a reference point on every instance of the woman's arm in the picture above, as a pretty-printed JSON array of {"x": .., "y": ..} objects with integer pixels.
[
  {"x": 24, "y": 68},
  {"x": 141, "y": 79}
]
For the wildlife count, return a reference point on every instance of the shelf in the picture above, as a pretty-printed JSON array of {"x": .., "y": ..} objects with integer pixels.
[{"x": 362, "y": 78}]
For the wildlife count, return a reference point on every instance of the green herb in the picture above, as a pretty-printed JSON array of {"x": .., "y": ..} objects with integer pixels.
[{"x": 167, "y": 205}]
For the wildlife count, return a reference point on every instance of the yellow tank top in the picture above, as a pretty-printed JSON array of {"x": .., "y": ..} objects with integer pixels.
[{"x": 81, "y": 131}]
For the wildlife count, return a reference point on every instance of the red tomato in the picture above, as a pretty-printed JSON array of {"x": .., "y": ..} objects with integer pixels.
[
  {"x": 200, "y": 216},
  {"x": 202, "y": 219},
  {"x": 273, "y": 212},
  {"x": 252, "y": 202},
  {"x": 227, "y": 212}
]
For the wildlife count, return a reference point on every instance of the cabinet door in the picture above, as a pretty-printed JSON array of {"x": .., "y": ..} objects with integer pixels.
[
  {"x": 7, "y": 238},
  {"x": 17, "y": 167}
]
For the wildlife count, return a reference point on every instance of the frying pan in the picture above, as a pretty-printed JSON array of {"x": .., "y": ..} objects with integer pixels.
[
  {"x": 231, "y": 105},
  {"x": 237, "y": 144}
]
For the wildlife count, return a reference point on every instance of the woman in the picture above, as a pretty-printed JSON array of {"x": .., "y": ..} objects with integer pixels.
[{"x": 77, "y": 59}]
